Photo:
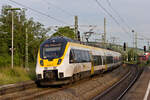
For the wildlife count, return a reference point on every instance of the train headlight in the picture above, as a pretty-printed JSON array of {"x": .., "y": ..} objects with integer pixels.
[
  {"x": 41, "y": 63},
  {"x": 59, "y": 61}
]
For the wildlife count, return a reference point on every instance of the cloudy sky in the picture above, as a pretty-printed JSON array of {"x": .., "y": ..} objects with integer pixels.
[{"x": 124, "y": 15}]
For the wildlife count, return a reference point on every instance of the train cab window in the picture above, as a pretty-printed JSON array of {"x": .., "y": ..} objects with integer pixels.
[
  {"x": 71, "y": 57},
  {"x": 50, "y": 51}
]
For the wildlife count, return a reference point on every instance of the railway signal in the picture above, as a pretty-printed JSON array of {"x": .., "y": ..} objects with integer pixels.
[
  {"x": 124, "y": 46},
  {"x": 144, "y": 48},
  {"x": 78, "y": 35}
]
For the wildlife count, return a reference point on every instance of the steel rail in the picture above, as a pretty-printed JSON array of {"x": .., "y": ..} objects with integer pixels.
[
  {"x": 130, "y": 85},
  {"x": 109, "y": 89},
  {"x": 136, "y": 73}
]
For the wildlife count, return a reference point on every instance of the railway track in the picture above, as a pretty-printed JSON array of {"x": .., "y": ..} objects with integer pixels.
[
  {"x": 25, "y": 91},
  {"x": 83, "y": 89},
  {"x": 118, "y": 90}
]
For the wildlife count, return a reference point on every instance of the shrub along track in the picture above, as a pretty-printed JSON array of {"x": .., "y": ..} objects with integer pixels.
[{"x": 81, "y": 90}]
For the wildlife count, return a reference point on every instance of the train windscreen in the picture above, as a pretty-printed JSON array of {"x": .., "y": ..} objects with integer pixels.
[{"x": 51, "y": 50}]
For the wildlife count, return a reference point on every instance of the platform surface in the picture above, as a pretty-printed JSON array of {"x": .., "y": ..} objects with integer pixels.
[{"x": 141, "y": 89}]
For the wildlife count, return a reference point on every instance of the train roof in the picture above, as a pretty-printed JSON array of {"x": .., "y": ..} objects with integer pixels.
[
  {"x": 65, "y": 40},
  {"x": 60, "y": 39}
]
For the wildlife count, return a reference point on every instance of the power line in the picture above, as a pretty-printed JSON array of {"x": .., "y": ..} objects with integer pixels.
[
  {"x": 99, "y": 4},
  {"x": 144, "y": 37},
  {"x": 39, "y": 12},
  {"x": 63, "y": 10},
  {"x": 35, "y": 17},
  {"x": 58, "y": 7},
  {"x": 120, "y": 17}
]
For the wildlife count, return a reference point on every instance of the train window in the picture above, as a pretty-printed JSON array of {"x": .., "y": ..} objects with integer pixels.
[
  {"x": 80, "y": 56},
  {"x": 100, "y": 60},
  {"x": 71, "y": 57},
  {"x": 83, "y": 56},
  {"x": 104, "y": 60},
  {"x": 86, "y": 59},
  {"x": 97, "y": 60},
  {"x": 79, "y": 59},
  {"x": 109, "y": 59},
  {"x": 51, "y": 51},
  {"x": 88, "y": 56}
]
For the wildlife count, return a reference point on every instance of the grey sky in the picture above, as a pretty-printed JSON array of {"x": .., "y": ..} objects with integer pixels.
[{"x": 134, "y": 12}]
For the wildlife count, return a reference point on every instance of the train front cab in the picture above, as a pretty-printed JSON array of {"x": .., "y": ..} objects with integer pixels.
[{"x": 50, "y": 61}]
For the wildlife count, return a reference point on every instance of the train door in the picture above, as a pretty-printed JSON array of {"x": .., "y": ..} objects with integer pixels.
[
  {"x": 73, "y": 61},
  {"x": 105, "y": 61},
  {"x": 92, "y": 64}
]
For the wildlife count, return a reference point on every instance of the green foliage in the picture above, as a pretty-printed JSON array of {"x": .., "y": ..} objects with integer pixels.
[
  {"x": 5, "y": 61},
  {"x": 132, "y": 55},
  {"x": 65, "y": 31},
  {"x": 18, "y": 74},
  {"x": 36, "y": 34}
]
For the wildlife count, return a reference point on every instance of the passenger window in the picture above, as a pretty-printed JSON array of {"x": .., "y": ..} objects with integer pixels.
[
  {"x": 79, "y": 56},
  {"x": 88, "y": 57},
  {"x": 97, "y": 60},
  {"x": 104, "y": 60}
]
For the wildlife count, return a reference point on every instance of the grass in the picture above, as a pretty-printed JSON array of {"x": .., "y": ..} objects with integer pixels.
[{"x": 18, "y": 74}]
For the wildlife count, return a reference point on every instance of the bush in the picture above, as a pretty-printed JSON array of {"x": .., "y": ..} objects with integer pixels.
[
  {"x": 5, "y": 61},
  {"x": 18, "y": 74}
]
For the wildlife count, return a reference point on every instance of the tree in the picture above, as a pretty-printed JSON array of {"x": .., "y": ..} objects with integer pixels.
[
  {"x": 132, "y": 55},
  {"x": 65, "y": 31},
  {"x": 35, "y": 30}
]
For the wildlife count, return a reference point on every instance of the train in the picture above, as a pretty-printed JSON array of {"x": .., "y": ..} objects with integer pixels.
[
  {"x": 145, "y": 58},
  {"x": 62, "y": 60}
]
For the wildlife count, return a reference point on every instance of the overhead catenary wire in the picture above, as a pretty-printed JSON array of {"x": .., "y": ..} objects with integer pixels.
[
  {"x": 116, "y": 12},
  {"x": 122, "y": 19},
  {"x": 58, "y": 7},
  {"x": 66, "y": 12},
  {"x": 39, "y": 12},
  {"x": 35, "y": 17},
  {"x": 107, "y": 12}
]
